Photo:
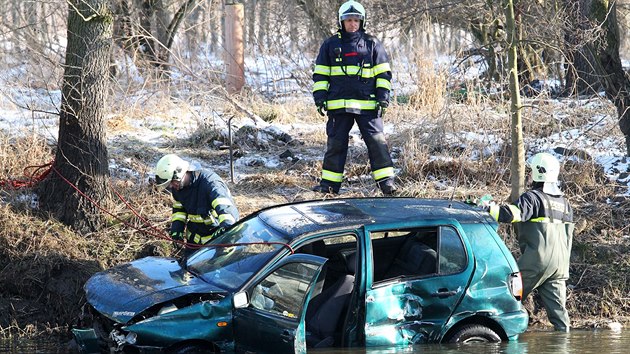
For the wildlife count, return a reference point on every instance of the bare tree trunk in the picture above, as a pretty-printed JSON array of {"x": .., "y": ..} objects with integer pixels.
[
  {"x": 250, "y": 18},
  {"x": 147, "y": 40},
  {"x": 216, "y": 27},
  {"x": 162, "y": 20},
  {"x": 581, "y": 77},
  {"x": 196, "y": 35},
  {"x": 322, "y": 29},
  {"x": 263, "y": 37},
  {"x": 81, "y": 158},
  {"x": 518, "y": 151},
  {"x": 608, "y": 65}
]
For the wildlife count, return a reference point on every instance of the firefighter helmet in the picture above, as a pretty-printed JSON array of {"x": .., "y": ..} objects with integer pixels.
[
  {"x": 170, "y": 167},
  {"x": 349, "y": 9},
  {"x": 545, "y": 168}
]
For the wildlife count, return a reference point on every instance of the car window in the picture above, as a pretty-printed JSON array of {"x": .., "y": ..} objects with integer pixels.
[
  {"x": 243, "y": 250},
  {"x": 452, "y": 252},
  {"x": 283, "y": 291},
  {"x": 416, "y": 252},
  {"x": 345, "y": 239},
  {"x": 388, "y": 234},
  {"x": 404, "y": 253}
]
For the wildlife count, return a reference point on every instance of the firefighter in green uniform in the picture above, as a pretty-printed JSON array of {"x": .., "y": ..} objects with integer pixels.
[
  {"x": 203, "y": 205},
  {"x": 543, "y": 221},
  {"x": 352, "y": 82}
]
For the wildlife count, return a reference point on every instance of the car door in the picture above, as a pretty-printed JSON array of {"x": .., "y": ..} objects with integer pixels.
[
  {"x": 273, "y": 320},
  {"x": 404, "y": 309}
]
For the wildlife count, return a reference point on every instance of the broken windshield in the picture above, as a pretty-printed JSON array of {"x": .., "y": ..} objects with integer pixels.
[{"x": 242, "y": 250}]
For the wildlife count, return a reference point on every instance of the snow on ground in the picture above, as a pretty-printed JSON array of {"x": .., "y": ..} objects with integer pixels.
[
  {"x": 27, "y": 111},
  {"x": 594, "y": 138}
]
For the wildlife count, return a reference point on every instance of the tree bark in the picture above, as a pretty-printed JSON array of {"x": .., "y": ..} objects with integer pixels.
[
  {"x": 608, "y": 66},
  {"x": 518, "y": 151},
  {"x": 81, "y": 158},
  {"x": 321, "y": 27},
  {"x": 581, "y": 77}
]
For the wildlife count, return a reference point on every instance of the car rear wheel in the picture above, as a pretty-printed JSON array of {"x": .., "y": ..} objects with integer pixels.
[{"x": 474, "y": 334}]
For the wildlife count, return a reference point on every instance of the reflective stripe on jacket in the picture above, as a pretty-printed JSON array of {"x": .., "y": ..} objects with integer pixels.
[
  {"x": 534, "y": 206},
  {"x": 544, "y": 226},
  {"x": 202, "y": 206},
  {"x": 352, "y": 74}
]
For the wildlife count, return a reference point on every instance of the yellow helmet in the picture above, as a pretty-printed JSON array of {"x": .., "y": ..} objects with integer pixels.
[{"x": 170, "y": 167}]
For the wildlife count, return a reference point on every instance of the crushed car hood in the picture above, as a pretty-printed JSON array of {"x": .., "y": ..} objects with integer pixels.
[{"x": 122, "y": 292}]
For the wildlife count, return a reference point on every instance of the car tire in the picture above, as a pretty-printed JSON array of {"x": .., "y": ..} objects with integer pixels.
[{"x": 474, "y": 334}]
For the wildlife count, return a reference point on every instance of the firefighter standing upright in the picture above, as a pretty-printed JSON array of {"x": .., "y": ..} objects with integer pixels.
[
  {"x": 543, "y": 221},
  {"x": 352, "y": 82}
]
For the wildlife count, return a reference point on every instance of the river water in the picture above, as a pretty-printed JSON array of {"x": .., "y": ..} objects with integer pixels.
[{"x": 534, "y": 342}]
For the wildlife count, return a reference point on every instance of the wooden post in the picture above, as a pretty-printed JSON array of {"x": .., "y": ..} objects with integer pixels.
[{"x": 234, "y": 53}]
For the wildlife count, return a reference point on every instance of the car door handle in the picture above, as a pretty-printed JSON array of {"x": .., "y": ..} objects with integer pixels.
[
  {"x": 287, "y": 336},
  {"x": 444, "y": 293}
]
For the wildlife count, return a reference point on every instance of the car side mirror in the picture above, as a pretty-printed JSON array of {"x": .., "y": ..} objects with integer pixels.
[{"x": 240, "y": 300}]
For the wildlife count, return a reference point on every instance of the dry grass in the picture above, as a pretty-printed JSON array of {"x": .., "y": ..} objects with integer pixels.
[
  {"x": 44, "y": 264},
  {"x": 431, "y": 82}
]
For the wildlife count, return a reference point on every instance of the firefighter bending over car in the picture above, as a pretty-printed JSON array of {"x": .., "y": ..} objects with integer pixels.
[
  {"x": 203, "y": 205},
  {"x": 543, "y": 221},
  {"x": 352, "y": 82}
]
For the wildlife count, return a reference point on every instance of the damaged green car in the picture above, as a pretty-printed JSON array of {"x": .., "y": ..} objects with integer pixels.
[{"x": 332, "y": 273}]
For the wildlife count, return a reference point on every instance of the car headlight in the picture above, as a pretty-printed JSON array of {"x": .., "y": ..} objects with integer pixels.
[{"x": 131, "y": 338}]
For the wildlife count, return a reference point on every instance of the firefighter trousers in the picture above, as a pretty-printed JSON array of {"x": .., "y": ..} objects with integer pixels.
[{"x": 338, "y": 129}]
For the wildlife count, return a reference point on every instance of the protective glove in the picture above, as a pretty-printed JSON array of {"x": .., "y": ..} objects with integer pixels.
[
  {"x": 321, "y": 107},
  {"x": 485, "y": 202},
  {"x": 218, "y": 231},
  {"x": 383, "y": 107},
  {"x": 177, "y": 235}
]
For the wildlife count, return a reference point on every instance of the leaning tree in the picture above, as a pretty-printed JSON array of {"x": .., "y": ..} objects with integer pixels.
[{"x": 80, "y": 171}]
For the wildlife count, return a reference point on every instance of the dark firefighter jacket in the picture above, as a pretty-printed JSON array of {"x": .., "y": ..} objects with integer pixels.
[
  {"x": 352, "y": 74},
  {"x": 544, "y": 226},
  {"x": 201, "y": 207}
]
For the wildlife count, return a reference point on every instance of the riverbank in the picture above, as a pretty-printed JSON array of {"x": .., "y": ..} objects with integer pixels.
[{"x": 43, "y": 264}]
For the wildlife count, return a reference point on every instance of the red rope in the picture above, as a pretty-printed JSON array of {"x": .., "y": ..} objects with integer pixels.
[
  {"x": 193, "y": 245},
  {"x": 31, "y": 180},
  {"x": 158, "y": 233}
]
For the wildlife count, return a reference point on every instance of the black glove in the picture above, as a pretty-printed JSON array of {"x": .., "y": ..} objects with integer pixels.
[
  {"x": 383, "y": 107},
  {"x": 218, "y": 231},
  {"x": 177, "y": 235},
  {"x": 321, "y": 107}
]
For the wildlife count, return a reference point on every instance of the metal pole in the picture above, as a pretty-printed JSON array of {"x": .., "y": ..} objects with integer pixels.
[{"x": 231, "y": 148}]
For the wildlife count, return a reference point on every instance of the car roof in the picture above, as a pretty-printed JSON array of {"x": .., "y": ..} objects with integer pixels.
[{"x": 320, "y": 215}]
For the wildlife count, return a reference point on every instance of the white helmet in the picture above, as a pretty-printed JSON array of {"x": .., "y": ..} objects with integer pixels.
[
  {"x": 545, "y": 168},
  {"x": 170, "y": 167},
  {"x": 349, "y": 9}
]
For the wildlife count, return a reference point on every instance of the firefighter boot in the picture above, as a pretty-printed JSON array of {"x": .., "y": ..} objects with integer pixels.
[
  {"x": 326, "y": 189},
  {"x": 387, "y": 186}
]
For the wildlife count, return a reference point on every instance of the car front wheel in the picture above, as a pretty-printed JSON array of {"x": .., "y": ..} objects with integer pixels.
[{"x": 474, "y": 334}]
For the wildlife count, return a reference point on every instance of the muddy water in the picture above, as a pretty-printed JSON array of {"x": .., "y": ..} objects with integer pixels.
[{"x": 578, "y": 341}]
